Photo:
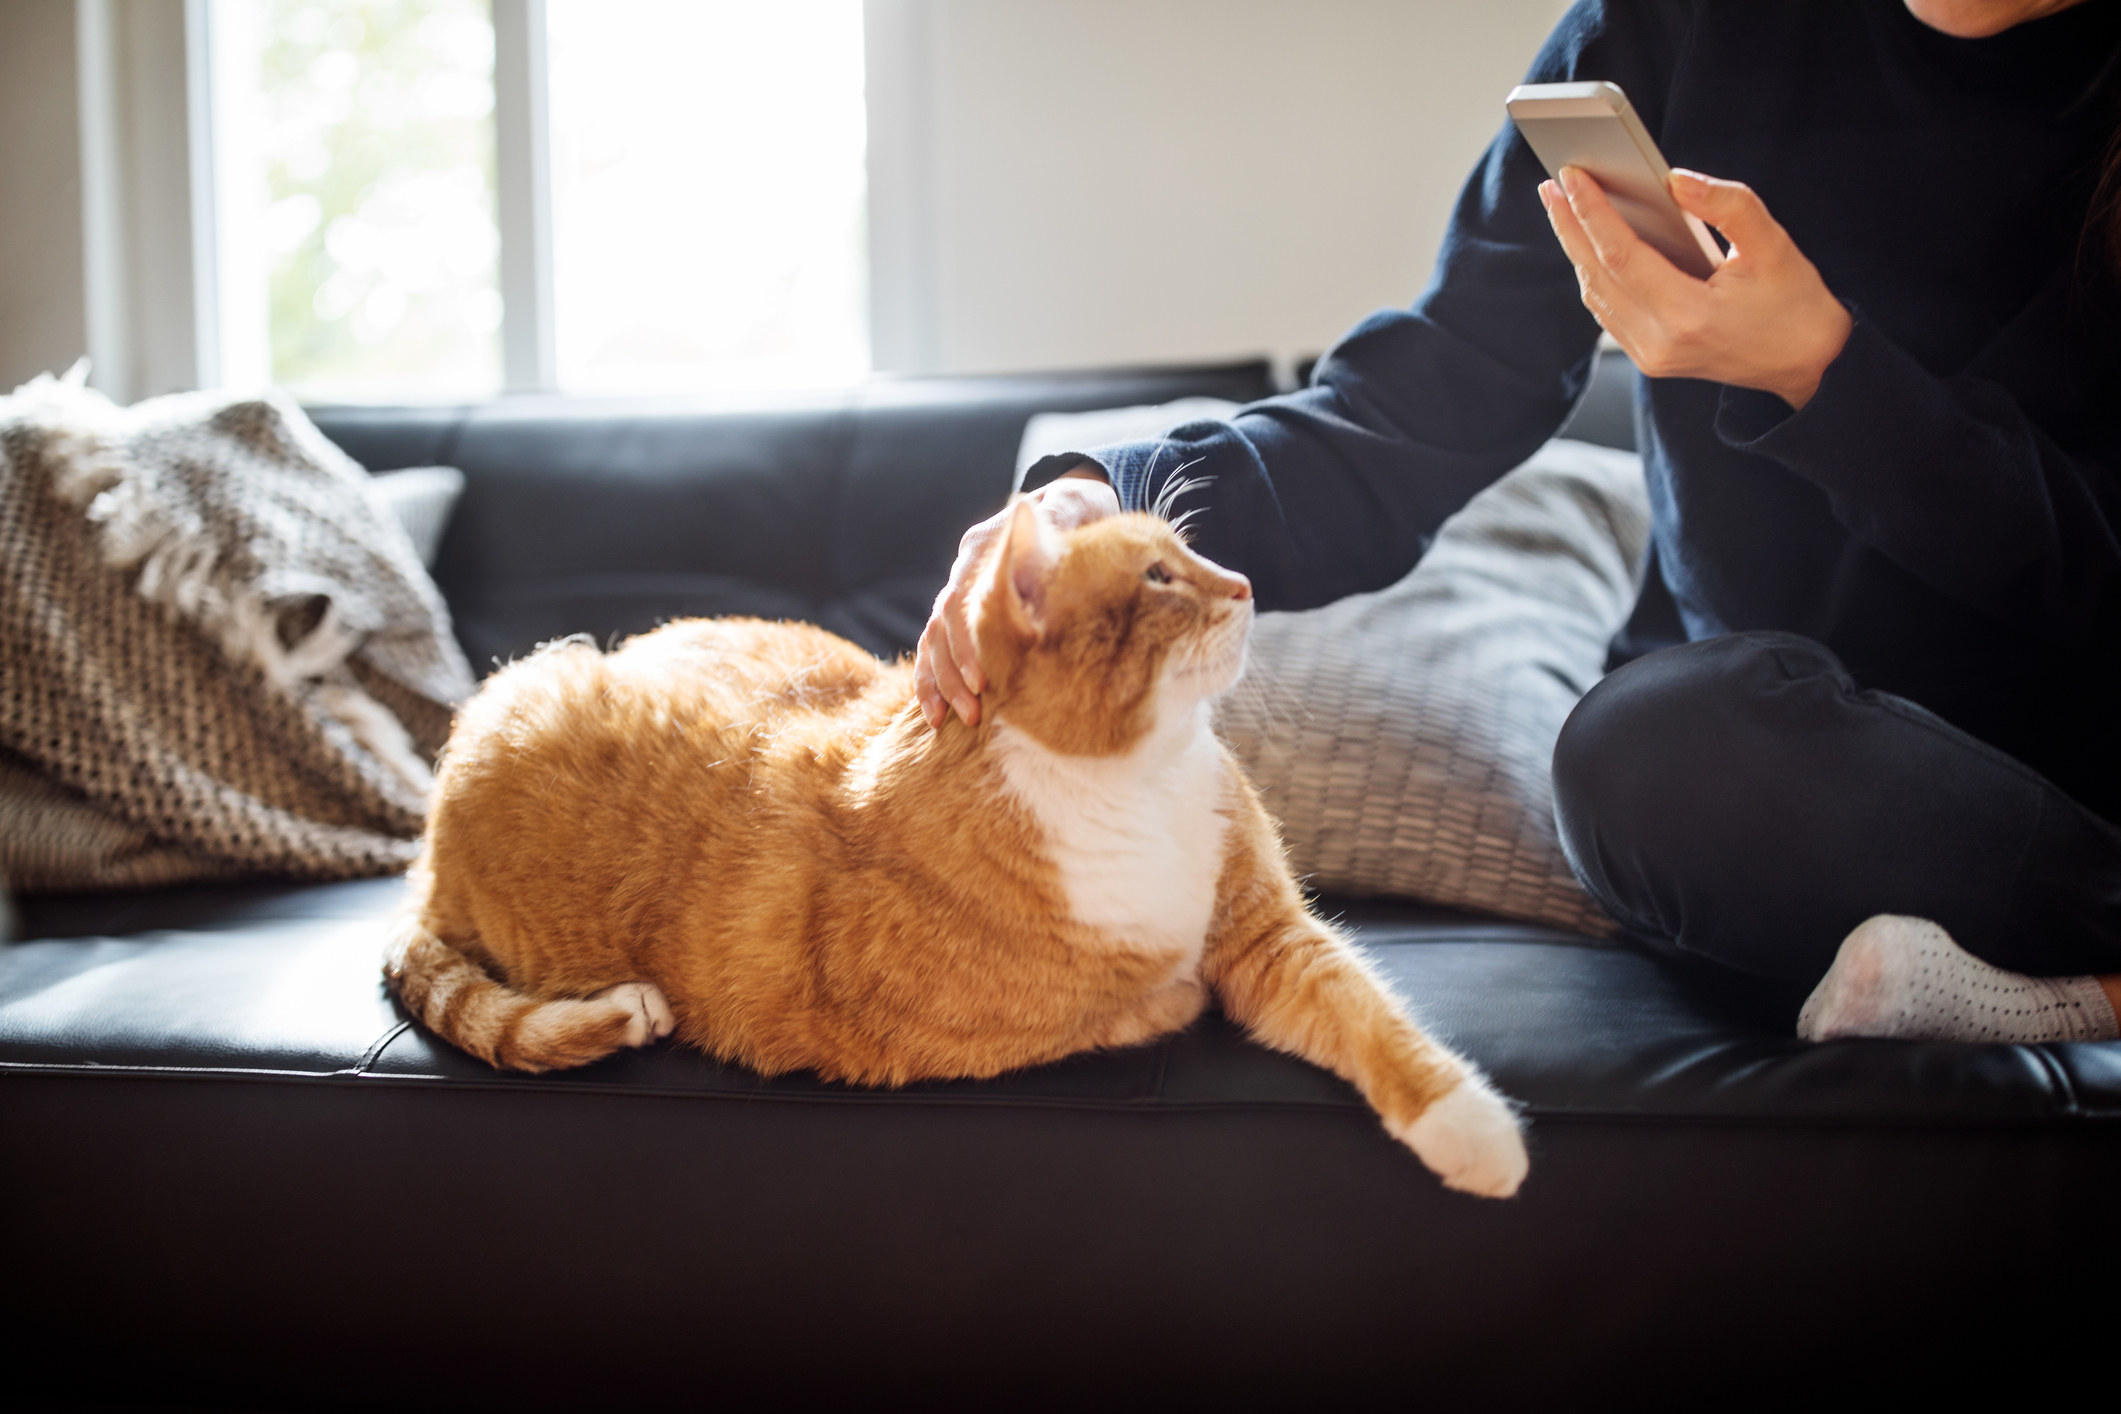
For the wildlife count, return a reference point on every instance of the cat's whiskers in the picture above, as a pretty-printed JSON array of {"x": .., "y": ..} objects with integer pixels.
[
  {"x": 1210, "y": 662},
  {"x": 1277, "y": 706},
  {"x": 1262, "y": 695},
  {"x": 1178, "y": 485},
  {"x": 1178, "y": 527}
]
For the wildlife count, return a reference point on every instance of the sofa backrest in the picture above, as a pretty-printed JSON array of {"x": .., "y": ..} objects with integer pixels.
[{"x": 607, "y": 517}]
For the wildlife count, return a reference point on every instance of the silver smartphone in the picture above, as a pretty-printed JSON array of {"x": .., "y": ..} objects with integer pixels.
[{"x": 1592, "y": 126}]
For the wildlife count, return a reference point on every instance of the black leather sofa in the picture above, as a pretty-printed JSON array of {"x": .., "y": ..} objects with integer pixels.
[{"x": 236, "y": 1174}]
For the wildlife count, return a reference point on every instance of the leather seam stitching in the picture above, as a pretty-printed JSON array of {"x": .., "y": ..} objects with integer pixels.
[{"x": 1563, "y": 1113}]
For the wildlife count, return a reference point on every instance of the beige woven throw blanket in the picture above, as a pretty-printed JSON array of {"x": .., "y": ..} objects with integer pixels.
[{"x": 219, "y": 657}]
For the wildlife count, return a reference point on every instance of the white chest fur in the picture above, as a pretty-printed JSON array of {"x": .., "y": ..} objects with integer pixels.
[{"x": 1138, "y": 839}]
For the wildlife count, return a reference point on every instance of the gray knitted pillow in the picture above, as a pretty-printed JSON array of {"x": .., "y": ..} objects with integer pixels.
[
  {"x": 1404, "y": 737},
  {"x": 420, "y": 498}
]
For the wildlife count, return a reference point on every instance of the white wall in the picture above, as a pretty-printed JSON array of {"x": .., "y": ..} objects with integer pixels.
[
  {"x": 1077, "y": 182},
  {"x": 43, "y": 324},
  {"x": 1053, "y": 182},
  {"x": 97, "y": 220}
]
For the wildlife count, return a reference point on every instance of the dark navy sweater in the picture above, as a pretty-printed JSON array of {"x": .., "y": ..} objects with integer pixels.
[{"x": 1944, "y": 514}]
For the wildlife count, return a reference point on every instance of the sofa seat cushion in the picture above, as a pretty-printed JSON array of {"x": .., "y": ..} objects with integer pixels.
[
  {"x": 283, "y": 980},
  {"x": 238, "y": 1174}
]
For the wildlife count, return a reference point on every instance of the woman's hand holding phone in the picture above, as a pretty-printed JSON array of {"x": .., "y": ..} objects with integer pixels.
[{"x": 1765, "y": 319}]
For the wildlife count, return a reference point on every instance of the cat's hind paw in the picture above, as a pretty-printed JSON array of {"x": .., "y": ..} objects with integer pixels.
[
  {"x": 1470, "y": 1140},
  {"x": 647, "y": 1010}
]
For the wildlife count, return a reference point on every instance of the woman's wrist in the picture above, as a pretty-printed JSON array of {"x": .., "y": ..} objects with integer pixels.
[{"x": 1831, "y": 328}]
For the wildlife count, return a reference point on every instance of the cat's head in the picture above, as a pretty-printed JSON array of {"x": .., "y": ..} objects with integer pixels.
[{"x": 1090, "y": 638}]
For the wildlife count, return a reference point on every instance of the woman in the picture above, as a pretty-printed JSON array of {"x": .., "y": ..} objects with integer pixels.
[{"x": 1882, "y": 444}]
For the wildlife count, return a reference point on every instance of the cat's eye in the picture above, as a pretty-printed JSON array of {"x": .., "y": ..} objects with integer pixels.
[{"x": 1157, "y": 574}]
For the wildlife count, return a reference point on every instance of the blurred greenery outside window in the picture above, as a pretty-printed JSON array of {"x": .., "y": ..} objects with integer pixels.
[
  {"x": 372, "y": 128},
  {"x": 707, "y": 189}
]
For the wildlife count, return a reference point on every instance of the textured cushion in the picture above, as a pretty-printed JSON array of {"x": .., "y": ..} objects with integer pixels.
[
  {"x": 1404, "y": 737},
  {"x": 420, "y": 498},
  {"x": 222, "y": 656}
]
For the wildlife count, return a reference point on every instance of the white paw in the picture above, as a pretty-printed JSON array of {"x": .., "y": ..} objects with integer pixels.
[
  {"x": 1469, "y": 1139},
  {"x": 649, "y": 1017}
]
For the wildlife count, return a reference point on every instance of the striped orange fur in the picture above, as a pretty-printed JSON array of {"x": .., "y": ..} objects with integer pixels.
[{"x": 747, "y": 834}]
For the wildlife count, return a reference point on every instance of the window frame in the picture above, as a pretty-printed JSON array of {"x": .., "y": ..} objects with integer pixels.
[
  {"x": 522, "y": 132},
  {"x": 168, "y": 309}
]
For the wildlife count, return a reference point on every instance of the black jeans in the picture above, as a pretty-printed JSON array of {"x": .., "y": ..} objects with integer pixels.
[{"x": 1742, "y": 800}]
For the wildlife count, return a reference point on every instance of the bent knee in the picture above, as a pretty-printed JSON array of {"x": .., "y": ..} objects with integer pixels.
[
  {"x": 1685, "y": 714},
  {"x": 1650, "y": 770}
]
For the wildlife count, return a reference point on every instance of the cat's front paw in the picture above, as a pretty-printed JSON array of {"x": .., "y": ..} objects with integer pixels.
[
  {"x": 648, "y": 1015},
  {"x": 1470, "y": 1140}
]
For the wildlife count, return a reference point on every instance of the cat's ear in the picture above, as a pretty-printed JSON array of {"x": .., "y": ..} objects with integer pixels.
[{"x": 1024, "y": 569}]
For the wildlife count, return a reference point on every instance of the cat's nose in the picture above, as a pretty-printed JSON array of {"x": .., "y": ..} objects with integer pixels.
[{"x": 1240, "y": 588}]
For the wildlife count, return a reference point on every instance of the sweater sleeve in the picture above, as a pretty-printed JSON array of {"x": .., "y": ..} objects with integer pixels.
[
  {"x": 1338, "y": 488},
  {"x": 1951, "y": 477}
]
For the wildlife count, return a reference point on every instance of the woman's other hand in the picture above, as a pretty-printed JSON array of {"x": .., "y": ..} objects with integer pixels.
[
  {"x": 1764, "y": 320},
  {"x": 946, "y": 671}
]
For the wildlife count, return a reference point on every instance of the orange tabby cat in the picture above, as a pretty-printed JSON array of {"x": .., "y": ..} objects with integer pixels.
[{"x": 746, "y": 833}]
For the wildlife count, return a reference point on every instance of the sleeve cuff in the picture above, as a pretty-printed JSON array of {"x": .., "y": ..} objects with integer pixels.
[
  {"x": 1820, "y": 433},
  {"x": 1050, "y": 469}
]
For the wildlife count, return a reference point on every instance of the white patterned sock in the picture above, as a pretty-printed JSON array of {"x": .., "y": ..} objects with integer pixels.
[{"x": 1905, "y": 977}]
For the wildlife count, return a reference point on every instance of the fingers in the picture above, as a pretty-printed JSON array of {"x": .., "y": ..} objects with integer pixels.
[
  {"x": 1625, "y": 255},
  {"x": 925, "y": 691},
  {"x": 1575, "y": 241},
  {"x": 1613, "y": 240},
  {"x": 1732, "y": 208},
  {"x": 1766, "y": 319},
  {"x": 934, "y": 706},
  {"x": 1075, "y": 501},
  {"x": 957, "y": 669},
  {"x": 946, "y": 672},
  {"x": 1603, "y": 295},
  {"x": 937, "y": 682}
]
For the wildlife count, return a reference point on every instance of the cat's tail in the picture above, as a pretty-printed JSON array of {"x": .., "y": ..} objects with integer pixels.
[{"x": 456, "y": 999}]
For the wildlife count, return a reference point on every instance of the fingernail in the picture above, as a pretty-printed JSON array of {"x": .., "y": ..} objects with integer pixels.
[
  {"x": 972, "y": 678},
  {"x": 1692, "y": 179},
  {"x": 965, "y": 709},
  {"x": 1572, "y": 180},
  {"x": 1547, "y": 194}
]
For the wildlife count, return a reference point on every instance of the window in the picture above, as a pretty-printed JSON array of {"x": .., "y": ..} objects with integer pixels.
[
  {"x": 707, "y": 192},
  {"x": 361, "y": 132},
  {"x": 685, "y": 209}
]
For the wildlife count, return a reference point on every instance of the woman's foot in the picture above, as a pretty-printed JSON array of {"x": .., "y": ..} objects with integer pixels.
[{"x": 1906, "y": 978}]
